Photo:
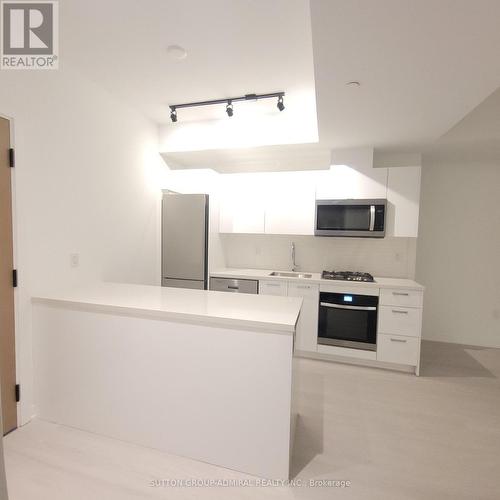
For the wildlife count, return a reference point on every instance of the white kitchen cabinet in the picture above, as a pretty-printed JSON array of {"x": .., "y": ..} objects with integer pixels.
[
  {"x": 242, "y": 205},
  {"x": 307, "y": 327},
  {"x": 403, "y": 201},
  {"x": 306, "y": 337},
  {"x": 344, "y": 182},
  {"x": 398, "y": 328},
  {"x": 240, "y": 213},
  {"x": 273, "y": 287},
  {"x": 290, "y": 206},
  {"x": 284, "y": 203}
]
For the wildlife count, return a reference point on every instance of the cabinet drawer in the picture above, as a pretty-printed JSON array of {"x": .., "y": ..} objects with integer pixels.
[
  {"x": 400, "y": 320},
  {"x": 303, "y": 290},
  {"x": 398, "y": 349},
  {"x": 400, "y": 297},
  {"x": 272, "y": 287}
]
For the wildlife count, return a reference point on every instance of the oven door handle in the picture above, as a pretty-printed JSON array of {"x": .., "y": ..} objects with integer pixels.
[
  {"x": 372, "y": 217},
  {"x": 353, "y": 308}
]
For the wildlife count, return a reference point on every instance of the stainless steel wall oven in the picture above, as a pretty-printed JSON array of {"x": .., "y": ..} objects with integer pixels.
[{"x": 348, "y": 320}]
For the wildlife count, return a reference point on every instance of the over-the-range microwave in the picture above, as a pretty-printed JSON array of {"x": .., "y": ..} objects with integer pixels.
[{"x": 357, "y": 218}]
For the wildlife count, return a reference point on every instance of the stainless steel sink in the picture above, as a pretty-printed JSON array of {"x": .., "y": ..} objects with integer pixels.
[{"x": 290, "y": 275}]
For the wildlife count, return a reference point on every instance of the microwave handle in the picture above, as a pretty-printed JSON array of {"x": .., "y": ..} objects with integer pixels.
[{"x": 372, "y": 217}]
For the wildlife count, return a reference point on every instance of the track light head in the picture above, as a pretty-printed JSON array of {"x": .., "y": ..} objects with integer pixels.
[
  {"x": 173, "y": 114},
  {"x": 229, "y": 109},
  {"x": 280, "y": 104}
]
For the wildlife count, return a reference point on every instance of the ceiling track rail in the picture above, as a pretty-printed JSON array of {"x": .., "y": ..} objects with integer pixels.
[{"x": 246, "y": 97}]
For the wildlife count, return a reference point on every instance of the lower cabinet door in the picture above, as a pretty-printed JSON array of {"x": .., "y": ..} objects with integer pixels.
[
  {"x": 272, "y": 287},
  {"x": 306, "y": 336},
  {"x": 398, "y": 349}
]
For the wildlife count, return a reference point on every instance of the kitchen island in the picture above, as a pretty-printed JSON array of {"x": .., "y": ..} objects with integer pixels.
[{"x": 202, "y": 374}]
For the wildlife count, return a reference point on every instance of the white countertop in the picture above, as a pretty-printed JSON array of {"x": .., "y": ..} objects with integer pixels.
[
  {"x": 263, "y": 313},
  {"x": 379, "y": 282}
]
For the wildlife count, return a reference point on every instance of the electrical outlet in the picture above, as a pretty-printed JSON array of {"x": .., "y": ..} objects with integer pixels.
[{"x": 74, "y": 259}]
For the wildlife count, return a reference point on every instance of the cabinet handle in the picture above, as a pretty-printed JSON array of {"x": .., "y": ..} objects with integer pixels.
[
  {"x": 273, "y": 284},
  {"x": 398, "y": 340},
  {"x": 395, "y": 311},
  {"x": 401, "y": 293},
  {"x": 233, "y": 287},
  {"x": 305, "y": 287}
]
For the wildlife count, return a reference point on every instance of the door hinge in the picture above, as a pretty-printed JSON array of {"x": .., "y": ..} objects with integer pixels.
[
  {"x": 12, "y": 158},
  {"x": 14, "y": 278},
  {"x": 18, "y": 393}
]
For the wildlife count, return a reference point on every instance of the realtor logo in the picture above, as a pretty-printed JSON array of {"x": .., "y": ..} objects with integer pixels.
[{"x": 29, "y": 35}]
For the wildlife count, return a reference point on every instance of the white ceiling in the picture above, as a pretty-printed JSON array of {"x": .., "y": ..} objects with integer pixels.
[
  {"x": 235, "y": 47},
  {"x": 422, "y": 64}
]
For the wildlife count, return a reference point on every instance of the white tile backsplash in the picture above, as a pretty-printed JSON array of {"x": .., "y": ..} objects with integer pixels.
[{"x": 390, "y": 257}]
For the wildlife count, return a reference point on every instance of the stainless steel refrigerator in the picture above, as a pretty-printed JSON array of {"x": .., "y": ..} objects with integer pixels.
[{"x": 185, "y": 240}]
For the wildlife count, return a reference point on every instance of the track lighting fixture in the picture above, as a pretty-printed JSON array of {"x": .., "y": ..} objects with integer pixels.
[
  {"x": 280, "y": 104},
  {"x": 229, "y": 103}
]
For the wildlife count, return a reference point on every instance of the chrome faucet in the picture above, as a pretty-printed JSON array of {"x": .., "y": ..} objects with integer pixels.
[{"x": 294, "y": 265}]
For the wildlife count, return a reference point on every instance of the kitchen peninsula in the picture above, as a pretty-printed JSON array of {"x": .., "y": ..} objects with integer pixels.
[{"x": 201, "y": 374}]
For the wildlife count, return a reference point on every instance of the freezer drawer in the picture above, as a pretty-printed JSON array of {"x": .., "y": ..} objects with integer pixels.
[
  {"x": 175, "y": 283},
  {"x": 234, "y": 285}
]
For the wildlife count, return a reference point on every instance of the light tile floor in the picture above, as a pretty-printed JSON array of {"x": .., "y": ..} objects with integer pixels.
[{"x": 392, "y": 435}]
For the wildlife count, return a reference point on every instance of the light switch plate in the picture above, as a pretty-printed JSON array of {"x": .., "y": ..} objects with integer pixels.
[{"x": 74, "y": 259}]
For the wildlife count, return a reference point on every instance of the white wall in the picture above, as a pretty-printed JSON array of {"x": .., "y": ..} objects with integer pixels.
[
  {"x": 459, "y": 250},
  {"x": 390, "y": 257},
  {"x": 85, "y": 182}
]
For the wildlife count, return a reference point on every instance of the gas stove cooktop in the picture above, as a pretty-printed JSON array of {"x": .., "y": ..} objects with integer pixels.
[{"x": 347, "y": 276}]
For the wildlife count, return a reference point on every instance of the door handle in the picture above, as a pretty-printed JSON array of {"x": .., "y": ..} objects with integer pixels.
[
  {"x": 372, "y": 217},
  {"x": 352, "y": 308}
]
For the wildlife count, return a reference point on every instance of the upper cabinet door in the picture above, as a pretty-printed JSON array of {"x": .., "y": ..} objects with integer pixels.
[
  {"x": 403, "y": 201},
  {"x": 241, "y": 214},
  {"x": 343, "y": 182},
  {"x": 242, "y": 206},
  {"x": 290, "y": 205}
]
